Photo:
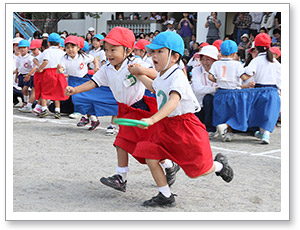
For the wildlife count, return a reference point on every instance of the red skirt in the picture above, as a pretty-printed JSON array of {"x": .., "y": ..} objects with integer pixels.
[
  {"x": 182, "y": 139},
  {"x": 129, "y": 136},
  {"x": 50, "y": 85}
]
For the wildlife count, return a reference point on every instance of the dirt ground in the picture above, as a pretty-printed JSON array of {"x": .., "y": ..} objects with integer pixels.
[{"x": 59, "y": 171}]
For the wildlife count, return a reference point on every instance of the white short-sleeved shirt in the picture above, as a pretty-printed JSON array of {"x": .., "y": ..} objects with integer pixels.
[
  {"x": 109, "y": 76},
  {"x": 24, "y": 63},
  {"x": 265, "y": 72},
  {"x": 99, "y": 54},
  {"x": 15, "y": 84},
  {"x": 227, "y": 72},
  {"x": 53, "y": 55},
  {"x": 201, "y": 85},
  {"x": 77, "y": 66},
  {"x": 175, "y": 80}
]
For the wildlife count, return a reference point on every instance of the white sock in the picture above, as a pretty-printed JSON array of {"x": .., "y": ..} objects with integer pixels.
[
  {"x": 57, "y": 109},
  {"x": 165, "y": 190},
  {"x": 167, "y": 164},
  {"x": 93, "y": 118},
  {"x": 26, "y": 98},
  {"x": 218, "y": 165},
  {"x": 38, "y": 106},
  {"x": 122, "y": 171},
  {"x": 29, "y": 105},
  {"x": 44, "y": 108}
]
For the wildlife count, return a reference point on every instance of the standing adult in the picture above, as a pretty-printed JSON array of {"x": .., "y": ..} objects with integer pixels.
[
  {"x": 91, "y": 30},
  {"x": 243, "y": 22},
  {"x": 185, "y": 28},
  {"x": 213, "y": 24},
  {"x": 268, "y": 22},
  {"x": 36, "y": 35},
  {"x": 256, "y": 21}
]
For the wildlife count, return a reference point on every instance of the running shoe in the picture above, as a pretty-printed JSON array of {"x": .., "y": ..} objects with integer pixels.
[
  {"x": 75, "y": 115},
  {"x": 44, "y": 113},
  {"x": 37, "y": 110},
  {"x": 115, "y": 182},
  {"x": 94, "y": 125},
  {"x": 83, "y": 122},
  {"x": 265, "y": 139},
  {"x": 222, "y": 130},
  {"x": 25, "y": 109},
  {"x": 171, "y": 174},
  {"x": 226, "y": 173},
  {"x": 161, "y": 201},
  {"x": 258, "y": 134},
  {"x": 228, "y": 137},
  {"x": 111, "y": 130},
  {"x": 57, "y": 115}
]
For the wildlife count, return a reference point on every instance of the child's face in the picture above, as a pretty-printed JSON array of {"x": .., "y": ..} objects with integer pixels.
[
  {"x": 160, "y": 59},
  {"x": 23, "y": 50},
  {"x": 244, "y": 39},
  {"x": 35, "y": 51},
  {"x": 72, "y": 49},
  {"x": 114, "y": 54},
  {"x": 139, "y": 52},
  {"x": 96, "y": 43}
]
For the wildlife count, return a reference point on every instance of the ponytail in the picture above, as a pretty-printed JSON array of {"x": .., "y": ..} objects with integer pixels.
[{"x": 269, "y": 54}]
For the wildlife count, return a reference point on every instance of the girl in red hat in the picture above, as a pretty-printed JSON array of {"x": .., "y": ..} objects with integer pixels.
[{"x": 129, "y": 93}]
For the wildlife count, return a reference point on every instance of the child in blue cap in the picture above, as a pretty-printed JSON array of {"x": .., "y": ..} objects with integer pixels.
[{"x": 179, "y": 135}]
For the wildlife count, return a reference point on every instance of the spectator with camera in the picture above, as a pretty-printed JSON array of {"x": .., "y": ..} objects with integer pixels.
[{"x": 213, "y": 24}]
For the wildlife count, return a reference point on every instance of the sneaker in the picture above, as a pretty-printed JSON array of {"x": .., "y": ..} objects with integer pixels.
[
  {"x": 211, "y": 135},
  {"x": 115, "y": 182},
  {"x": 37, "y": 110},
  {"x": 44, "y": 113},
  {"x": 265, "y": 139},
  {"x": 111, "y": 130},
  {"x": 24, "y": 104},
  {"x": 75, "y": 115},
  {"x": 25, "y": 109},
  {"x": 171, "y": 174},
  {"x": 83, "y": 122},
  {"x": 161, "y": 201},
  {"x": 94, "y": 125},
  {"x": 226, "y": 173},
  {"x": 222, "y": 130},
  {"x": 228, "y": 137},
  {"x": 57, "y": 115},
  {"x": 258, "y": 134}
]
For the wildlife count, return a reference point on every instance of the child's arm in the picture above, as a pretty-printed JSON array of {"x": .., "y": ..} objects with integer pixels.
[
  {"x": 96, "y": 65},
  {"x": 245, "y": 77},
  {"x": 168, "y": 108},
  {"x": 146, "y": 81},
  {"x": 27, "y": 76},
  {"x": 137, "y": 69},
  {"x": 211, "y": 78},
  {"x": 42, "y": 66},
  {"x": 81, "y": 88},
  {"x": 59, "y": 69},
  {"x": 36, "y": 62},
  {"x": 16, "y": 77}
]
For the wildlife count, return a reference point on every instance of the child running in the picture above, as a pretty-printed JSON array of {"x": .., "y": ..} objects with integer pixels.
[
  {"x": 51, "y": 85},
  {"x": 129, "y": 93},
  {"x": 178, "y": 135}
]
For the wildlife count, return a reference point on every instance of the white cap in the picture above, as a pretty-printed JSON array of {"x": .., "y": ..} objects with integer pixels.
[
  {"x": 63, "y": 36},
  {"x": 17, "y": 40},
  {"x": 170, "y": 22},
  {"x": 245, "y": 35},
  {"x": 45, "y": 35},
  {"x": 91, "y": 29},
  {"x": 210, "y": 51}
]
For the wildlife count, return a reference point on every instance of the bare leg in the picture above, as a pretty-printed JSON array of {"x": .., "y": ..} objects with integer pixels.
[
  {"x": 122, "y": 157},
  {"x": 157, "y": 172}
]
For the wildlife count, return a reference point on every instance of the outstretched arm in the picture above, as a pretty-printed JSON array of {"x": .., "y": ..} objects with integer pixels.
[{"x": 81, "y": 88}]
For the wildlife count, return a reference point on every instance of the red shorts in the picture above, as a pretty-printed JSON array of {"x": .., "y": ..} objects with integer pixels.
[
  {"x": 50, "y": 85},
  {"x": 129, "y": 136},
  {"x": 182, "y": 139}
]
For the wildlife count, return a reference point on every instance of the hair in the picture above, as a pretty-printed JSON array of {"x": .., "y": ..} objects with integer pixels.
[
  {"x": 262, "y": 49},
  {"x": 80, "y": 51},
  {"x": 180, "y": 56},
  {"x": 276, "y": 31},
  {"x": 263, "y": 28},
  {"x": 45, "y": 43},
  {"x": 54, "y": 43},
  {"x": 36, "y": 33},
  {"x": 87, "y": 35},
  {"x": 66, "y": 33}
]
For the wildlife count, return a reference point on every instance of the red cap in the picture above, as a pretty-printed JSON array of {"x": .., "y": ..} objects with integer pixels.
[
  {"x": 275, "y": 50},
  {"x": 72, "y": 39},
  {"x": 81, "y": 42},
  {"x": 263, "y": 39},
  {"x": 217, "y": 43},
  {"x": 36, "y": 43},
  {"x": 140, "y": 44},
  {"x": 120, "y": 36},
  {"x": 204, "y": 44}
]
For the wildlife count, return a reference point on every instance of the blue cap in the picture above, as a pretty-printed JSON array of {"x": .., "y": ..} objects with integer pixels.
[
  {"x": 54, "y": 37},
  {"x": 86, "y": 46},
  {"x": 168, "y": 39},
  {"x": 62, "y": 42},
  {"x": 24, "y": 43},
  {"x": 228, "y": 47},
  {"x": 99, "y": 36}
]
